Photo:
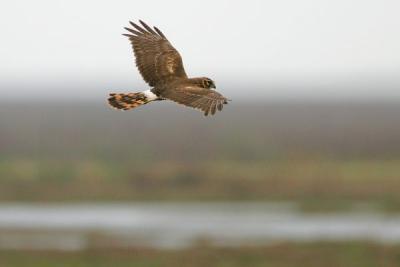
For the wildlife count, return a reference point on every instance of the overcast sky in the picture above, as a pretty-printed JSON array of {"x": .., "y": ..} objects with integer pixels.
[{"x": 300, "y": 48}]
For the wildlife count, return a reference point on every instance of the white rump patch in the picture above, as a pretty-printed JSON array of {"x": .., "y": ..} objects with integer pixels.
[{"x": 150, "y": 95}]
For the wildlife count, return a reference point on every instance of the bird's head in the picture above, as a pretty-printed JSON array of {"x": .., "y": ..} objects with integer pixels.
[{"x": 207, "y": 83}]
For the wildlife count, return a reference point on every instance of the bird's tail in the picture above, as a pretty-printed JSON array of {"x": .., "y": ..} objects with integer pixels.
[{"x": 128, "y": 101}]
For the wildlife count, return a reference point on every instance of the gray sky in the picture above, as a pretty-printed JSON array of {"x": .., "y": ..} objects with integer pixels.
[{"x": 297, "y": 48}]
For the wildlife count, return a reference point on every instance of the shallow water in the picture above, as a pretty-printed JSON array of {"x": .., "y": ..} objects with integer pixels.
[{"x": 174, "y": 225}]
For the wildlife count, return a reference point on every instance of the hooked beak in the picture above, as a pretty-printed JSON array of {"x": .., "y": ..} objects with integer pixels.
[{"x": 213, "y": 86}]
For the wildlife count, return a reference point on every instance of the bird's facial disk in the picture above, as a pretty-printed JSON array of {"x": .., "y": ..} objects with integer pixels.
[{"x": 208, "y": 83}]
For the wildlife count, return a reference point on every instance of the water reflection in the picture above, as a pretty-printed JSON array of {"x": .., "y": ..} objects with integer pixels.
[{"x": 174, "y": 225}]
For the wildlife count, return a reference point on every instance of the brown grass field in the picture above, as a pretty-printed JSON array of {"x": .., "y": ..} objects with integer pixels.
[{"x": 323, "y": 156}]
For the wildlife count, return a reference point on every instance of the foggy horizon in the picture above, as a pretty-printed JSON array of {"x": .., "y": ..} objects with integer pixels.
[{"x": 69, "y": 87}]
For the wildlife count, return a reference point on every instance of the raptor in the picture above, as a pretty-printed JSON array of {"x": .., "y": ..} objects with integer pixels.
[{"x": 161, "y": 66}]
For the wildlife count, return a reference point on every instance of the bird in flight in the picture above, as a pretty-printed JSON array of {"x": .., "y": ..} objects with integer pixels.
[{"x": 161, "y": 67}]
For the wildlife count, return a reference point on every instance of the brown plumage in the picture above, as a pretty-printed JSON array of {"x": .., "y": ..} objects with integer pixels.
[{"x": 161, "y": 67}]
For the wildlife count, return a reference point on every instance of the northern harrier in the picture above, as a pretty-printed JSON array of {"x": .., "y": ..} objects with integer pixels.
[{"x": 161, "y": 67}]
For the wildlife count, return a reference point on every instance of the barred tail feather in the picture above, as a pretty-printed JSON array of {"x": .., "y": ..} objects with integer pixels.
[{"x": 128, "y": 101}]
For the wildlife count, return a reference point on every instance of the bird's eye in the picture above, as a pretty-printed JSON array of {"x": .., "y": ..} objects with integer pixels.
[{"x": 207, "y": 84}]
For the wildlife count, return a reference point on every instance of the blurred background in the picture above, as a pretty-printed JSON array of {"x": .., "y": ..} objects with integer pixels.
[{"x": 302, "y": 168}]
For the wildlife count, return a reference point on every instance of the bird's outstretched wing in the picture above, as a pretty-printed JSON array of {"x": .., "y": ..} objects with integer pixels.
[
  {"x": 209, "y": 101},
  {"x": 156, "y": 59}
]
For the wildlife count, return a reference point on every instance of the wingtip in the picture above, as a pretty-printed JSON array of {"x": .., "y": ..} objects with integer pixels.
[
  {"x": 159, "y": 32},
  {"x": 132, "y": 23}
]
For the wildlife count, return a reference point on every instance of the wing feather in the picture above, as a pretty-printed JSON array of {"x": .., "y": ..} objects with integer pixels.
[
  {"x": 131, "y": 31},
  {"x": 196, "y": 97},
  {"x": 147, "y": 27},
  {"x": 137, "y": 27},
  {"x": 220, "y": 106},
  {"x": 159, "y": 32},
  {"x": 156, "y": 59}
]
